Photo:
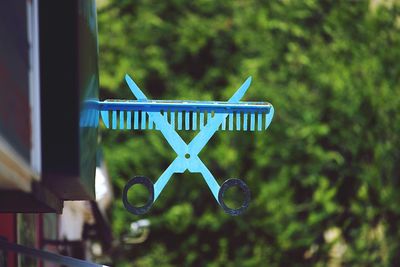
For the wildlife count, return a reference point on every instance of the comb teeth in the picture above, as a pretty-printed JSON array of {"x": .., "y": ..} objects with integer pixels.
[
  {"x": 143, "y": 121},
  {"x": 121, "y": 120},
  {"x": 128, "y": 120},
  {"x": 238, "y": 121},
  {"x": 136, "y": 120},
  {"x": 114, "y": 119},
  {"x": 252, "y": 121},
  {"x": 201, "y": 121},
  {"x": 172, "y": 122},
  {"x": 180, "y": 120},
  {"x": 194, "y": 121},
  {"x": 187, "y": 120}
]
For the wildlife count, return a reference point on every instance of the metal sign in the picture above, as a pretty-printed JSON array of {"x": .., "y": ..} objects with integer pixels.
[{"x": 118, "y": 114}]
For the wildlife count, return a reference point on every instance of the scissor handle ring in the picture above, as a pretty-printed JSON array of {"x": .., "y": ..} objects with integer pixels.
[
  {"x": 231, "y": 183},
  {"x": 148, "y": 184}
]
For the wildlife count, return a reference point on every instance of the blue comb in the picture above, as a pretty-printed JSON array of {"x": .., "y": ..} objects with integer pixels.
[{"x": 170, "y": 116}]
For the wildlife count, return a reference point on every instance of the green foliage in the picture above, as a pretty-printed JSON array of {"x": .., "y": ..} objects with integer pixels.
[{"x": 324, "y": 177}]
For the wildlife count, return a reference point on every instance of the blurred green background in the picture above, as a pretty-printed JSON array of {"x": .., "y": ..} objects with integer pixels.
[{"x": 324, "y": 177}]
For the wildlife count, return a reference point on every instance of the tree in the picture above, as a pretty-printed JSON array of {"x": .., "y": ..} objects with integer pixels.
[{"x": 325, "y": 175}]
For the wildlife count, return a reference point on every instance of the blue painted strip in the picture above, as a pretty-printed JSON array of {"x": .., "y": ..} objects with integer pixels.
[
  {"x": 157, "y": 126},
  {"x": 268, "y": 117},
  {"x": 238, "y": 121},
  {"x": 136, "y": 120},
  {"x": 121, "y": 120},
  {"x": 179, "y": 120},
  {"x": 96, "y": 118},
  {"x": 173, "y": 119},
  {"x": 194, "y": 120},
  {"x": 230, "y": 121},
  {"x": 187, "y": 121},
  {"x": 90, "y": 119},
  {"x": 114, "y": 119},
  {"x": 223, "y": 125},
  {"x": 128, "y": 120},
  {"x": 209, "y": 106},
  {"x": 201, "y": 121},
  {"x": 150, "y": 122},
  {"x": 259, "y": 122},
  {"x": 252, "y": 121},
  {"x": 144, "y": 122},
  {"x": 245, "y": 121}
]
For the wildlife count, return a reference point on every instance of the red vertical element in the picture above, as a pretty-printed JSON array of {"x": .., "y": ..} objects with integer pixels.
[{"x": 8, "y": 229}]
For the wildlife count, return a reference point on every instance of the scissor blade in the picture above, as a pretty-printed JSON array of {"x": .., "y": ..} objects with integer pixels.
[
  {"x": 205, "y": 134},
  {"x": 241, "y": 91},
  {"x": 134, "y": 88},
  {"x": 172, "y": 137}
]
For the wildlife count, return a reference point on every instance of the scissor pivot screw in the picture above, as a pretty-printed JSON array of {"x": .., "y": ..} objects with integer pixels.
[{"x": 187, "y": 155}]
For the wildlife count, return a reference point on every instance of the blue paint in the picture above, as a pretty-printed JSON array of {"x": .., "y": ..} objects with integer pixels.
[
  {"x": 201, "y": 121},
  {"x": 179, "y": 120},
  {"x": 114, "y": 119},
  {"x": 128, "y": 120},
  {"x": 173, "y": 119},
  {"x": 245, "y": 122},
  {"x": 187, "y": 154},
  {"x": 252, "y": 121},
  {"x": 223, "y": 126},
  {"x": 150, "y": 127},
  {"x": 194, "y": 121},
  {"x": 143, "y": 121},
  {"x": 136, "y": 120},
  {"x": 230, "y": 121},
  {"x": 187, "y": 121},
  {"x": 121, "y": 120},
  {"x": 238, "y": 121}
]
